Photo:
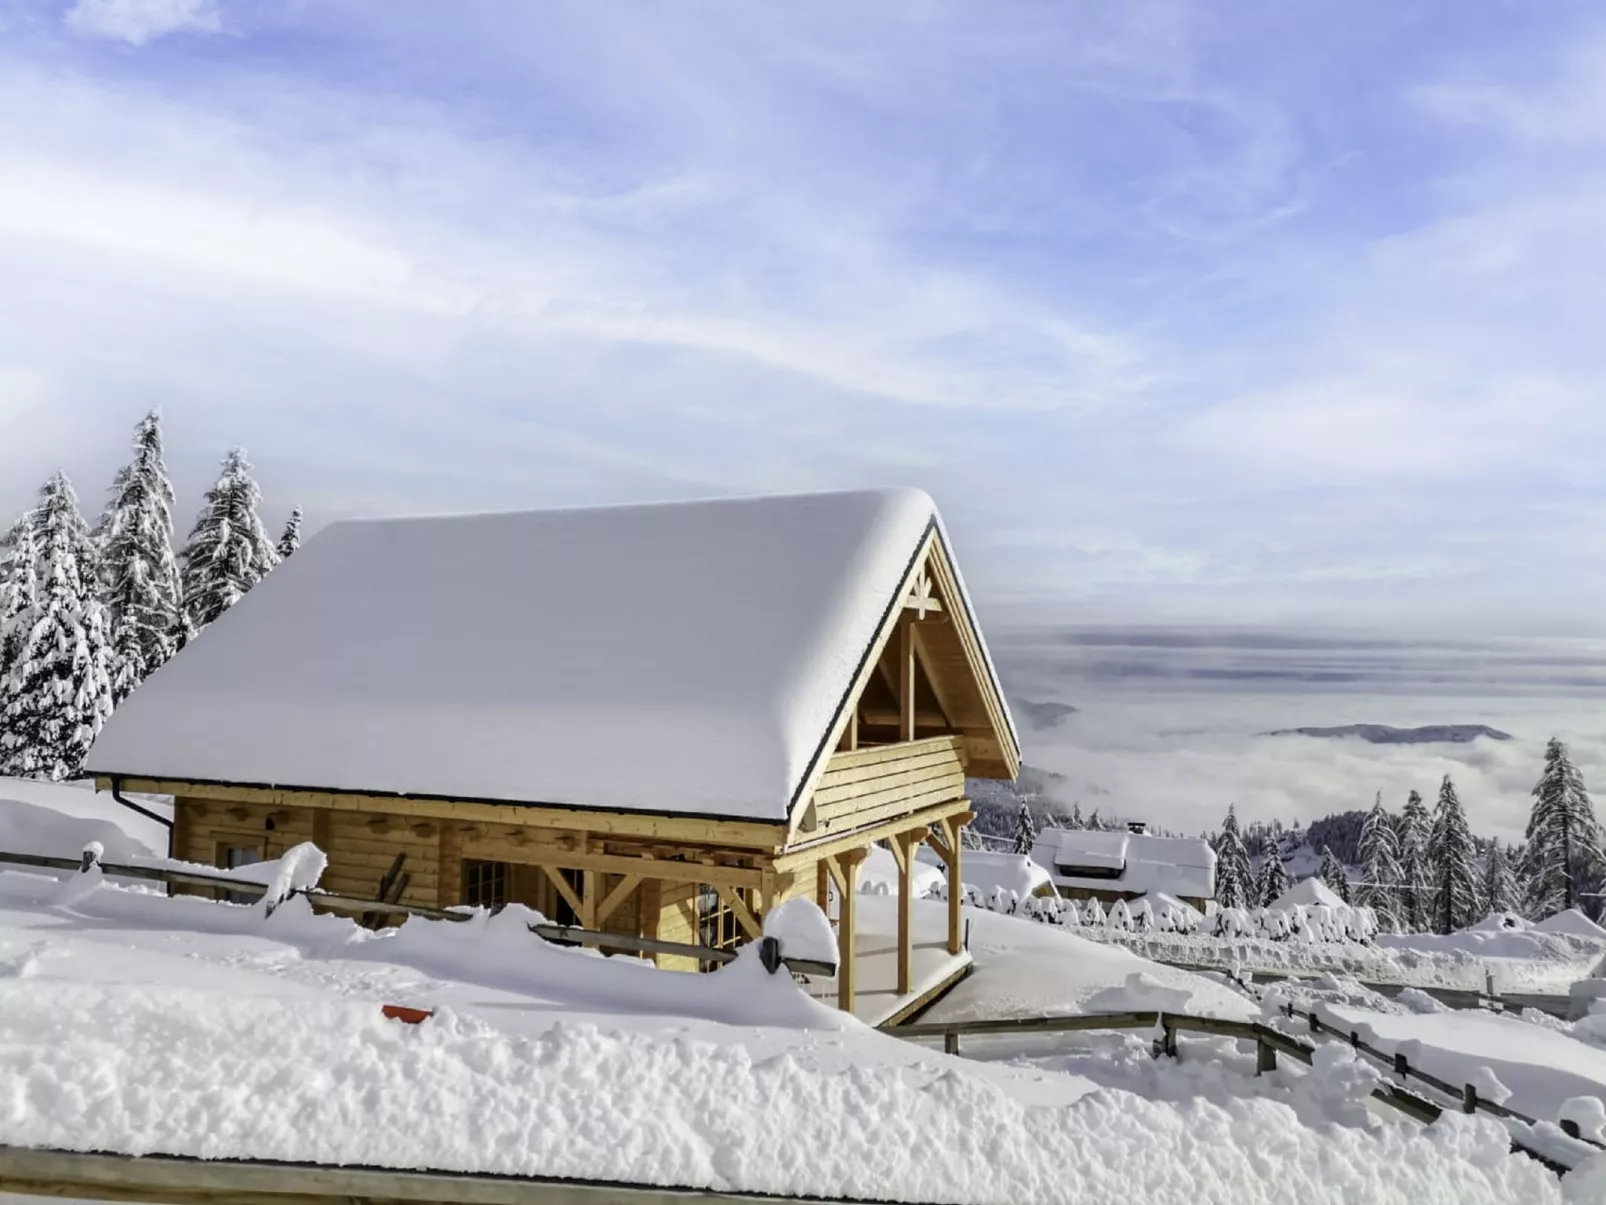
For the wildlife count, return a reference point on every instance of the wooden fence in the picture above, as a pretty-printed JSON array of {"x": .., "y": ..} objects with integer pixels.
[{"x": 1269, "y": 1043}]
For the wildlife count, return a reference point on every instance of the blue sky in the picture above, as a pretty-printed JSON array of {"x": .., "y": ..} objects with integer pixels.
[{"x": 1250, "y": 312}]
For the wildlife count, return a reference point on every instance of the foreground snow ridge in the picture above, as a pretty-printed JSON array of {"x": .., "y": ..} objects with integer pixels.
[{"x": 185, "y": 1072}]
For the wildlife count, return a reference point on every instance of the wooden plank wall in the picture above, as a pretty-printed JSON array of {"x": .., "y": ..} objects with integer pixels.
[{"x": 864, "y": 785}]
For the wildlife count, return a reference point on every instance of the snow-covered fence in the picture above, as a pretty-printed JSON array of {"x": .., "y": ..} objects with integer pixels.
[
  {"x": 289, "y": 876},
  {"x": 1269, "y": 1043},
  {"x": 1314, "y": 924}
]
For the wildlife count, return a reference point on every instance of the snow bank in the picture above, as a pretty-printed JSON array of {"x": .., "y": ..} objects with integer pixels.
[
  {"x": 83, "y": 1067},
  {"x": 1305, "y": 894},
  {"x": 59, "y": 819},
  {"x": 987, "y": 871},
  {"x": 879, "y": 875},
  {"x": 1572, "y": 923},
  {"x": 1541, "y": 1067},
  {"x": 1027, "y": 969},
  {"x": 1140, "y": 992}
]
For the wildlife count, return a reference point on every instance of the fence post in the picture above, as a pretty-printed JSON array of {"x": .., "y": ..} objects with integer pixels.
[
  {"x": 950, "y": 1042},
  {"x": 1402, "y": 1068},
  {"x": 1265, "y": 1056},
  {"x": 1570, "y": 1128},
  {"x": 1469, "y": 1099}
]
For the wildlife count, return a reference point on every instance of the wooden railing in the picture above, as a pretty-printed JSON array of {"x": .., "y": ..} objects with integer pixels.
[{"x": 1269, "y": 1043}]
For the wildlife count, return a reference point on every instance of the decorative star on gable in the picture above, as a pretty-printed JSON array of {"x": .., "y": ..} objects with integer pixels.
[{"x": 921, "y": 599}]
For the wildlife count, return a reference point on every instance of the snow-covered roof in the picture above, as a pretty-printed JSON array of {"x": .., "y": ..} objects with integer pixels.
[
  {"x": 1137, "y": 863},
  {"x": 1307, "y": 893},
  {"x": 687, "y": 658}
]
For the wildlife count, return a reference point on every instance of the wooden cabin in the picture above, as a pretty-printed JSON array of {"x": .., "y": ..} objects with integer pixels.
[
  {"x": 655, "y": 720},
  {"x": 1111, "y": 865}
]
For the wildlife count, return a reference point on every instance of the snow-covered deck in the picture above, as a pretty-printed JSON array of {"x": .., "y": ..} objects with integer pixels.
[{"x": 933, "y": 969}]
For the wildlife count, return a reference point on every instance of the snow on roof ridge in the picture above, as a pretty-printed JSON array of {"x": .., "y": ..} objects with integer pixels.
[{"x": 889, "y": 492}]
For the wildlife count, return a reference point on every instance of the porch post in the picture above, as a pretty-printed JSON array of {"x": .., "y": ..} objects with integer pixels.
[
  {"x": 846, "y": 974},
  {"x": 956, "y": 883},
  {"x": 906, "y": 857}
]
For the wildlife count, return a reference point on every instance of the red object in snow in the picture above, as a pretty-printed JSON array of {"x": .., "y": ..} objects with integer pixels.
[{"x": 409, "y": 1016}]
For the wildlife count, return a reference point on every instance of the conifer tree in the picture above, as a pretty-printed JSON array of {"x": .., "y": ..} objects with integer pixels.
[
  {"x": 1380, "y": 867},
  {"x": 57, "y": 692},
  {"x": 1416, "y": 889},
  {"x": 1274, "y": 878},
  {"x": 139, "y": 574},
  {"x": 1076, "y": 820},
  {"x": 228, "y": 551},
  {"x": 1500, "y": 892},
  {"x": 19, "y": 590},
  {"x": 1563, "y": 837},
  {"x": 1452, "y": 857},
  {"x": 291, "y": 539},
  {"x": 1235, "y": 880},
  {"x": 1025, "y": 830},
  {"x": 1332, "y": 873}
]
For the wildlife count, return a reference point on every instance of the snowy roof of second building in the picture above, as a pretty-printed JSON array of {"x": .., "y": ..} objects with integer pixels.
[
  {"x": 686, "y": 658},
  {"x": 1128, "y": 862}
]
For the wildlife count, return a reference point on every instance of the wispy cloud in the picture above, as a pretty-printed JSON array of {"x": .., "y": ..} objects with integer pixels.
[{"x": 141, "y": 21}]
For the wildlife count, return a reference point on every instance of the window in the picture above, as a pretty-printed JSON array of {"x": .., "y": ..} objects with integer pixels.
[
  {"x": 231, "y": 856},
  {"x": 717, "y": 925},
  {"x": 1090, "y": 872},
  {"x": 484, "y": 884}
]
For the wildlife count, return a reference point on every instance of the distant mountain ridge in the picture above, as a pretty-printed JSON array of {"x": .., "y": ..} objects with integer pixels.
[
  {"x": 1385, "y": 734},
  {"x": 1042, "y": 715}
]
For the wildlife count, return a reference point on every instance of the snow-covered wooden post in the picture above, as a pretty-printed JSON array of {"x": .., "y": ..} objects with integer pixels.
[{"x": 903, "y": 849}]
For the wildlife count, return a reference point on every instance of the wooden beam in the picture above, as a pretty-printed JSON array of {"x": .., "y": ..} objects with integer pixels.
[
  {"x": 847, "y": 946},
  {"x": 658, "y": 868},
  {"x": 689, "y": 830},
  {"x": 744, "y": 917},
  {"x": 956, "y": 883},
  {"x": 906, "y": 679},
  {"x": 617, "y": 896},
  {"x": 853, "y": 728},
  {"x": 566, "y": 891},
  {"x": 904, "y": 852},
  {"x": 834, "y": 869},
  {"x": 805, "y": 853},
  {"x": 944, "y": 705},
  {"x": 822, "y": 885},
  {"x": 590, "y": 890},
  {"x": 938, "y": 840}
]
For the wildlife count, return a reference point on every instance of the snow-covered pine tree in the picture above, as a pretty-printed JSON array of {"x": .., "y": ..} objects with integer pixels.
[
  {"x": 1075, "y": 820},
  {"x": 1563, "y": 837},
  {"x": 1380, "y": 868},
  {"x": 1415, "y": 878},
  {"x": 19, "y": 589},
  {"x": 139, "y": 575},
  {"x": 1500, "y": 893},
  {"x": 1273, "y": 879},
  {"x": 1332, "y": 873},
  {"x": 291, "y": 539},
  {"x": 228, "y": 551},
  {"x": 1452, "y": 856},
  {"x": 58, "y": 689},
  {"x": 1235, "y": 879},
  {"x": 1025, "y": 830}
]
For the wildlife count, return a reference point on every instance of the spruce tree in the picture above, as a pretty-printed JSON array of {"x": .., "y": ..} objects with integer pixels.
[
  {"x": 139, "y": 575},
  {"x": 1025, "y": 830},
  {"x": 228, "y": 551},
  {"x": 291, "y": 539},
  {"x": 1076, "y": 820},
  {"x": 19, "y": 589},
  {"x": 1235, "y": 880},
  {"x": 1274, "y": 878},
  {"x": 1332, "y": 873},
  {"x": 1500, "y": 893},
  {"x": 1563, "y": 837},
  {"x": 1452, "y": 856},
  {"x": 58, "y": 690},
  {"x": 1416, "y": 889},
  {"x": 1380, "y": 867}
]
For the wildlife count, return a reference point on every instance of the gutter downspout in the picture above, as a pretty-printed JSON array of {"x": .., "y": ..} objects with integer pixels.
[{"x": 117, "y": 794}]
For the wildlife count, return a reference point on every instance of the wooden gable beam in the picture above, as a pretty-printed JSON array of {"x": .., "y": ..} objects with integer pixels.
[{"x": 741, "y": 912}]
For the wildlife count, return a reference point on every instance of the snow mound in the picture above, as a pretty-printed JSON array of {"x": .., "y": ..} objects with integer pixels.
[
  {"x": 58, "y": 821},
  {"x": 1499, "y": 921},
  {"x": 879, "y": 875},
  {"x": 1572, "y": 923},
  {"x": 803, "y": 930},
  {"x": 1140, "y": 992}
]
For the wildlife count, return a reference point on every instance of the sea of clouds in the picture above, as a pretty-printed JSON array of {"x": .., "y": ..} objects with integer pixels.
[{"x": 1173, "y": 725}]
